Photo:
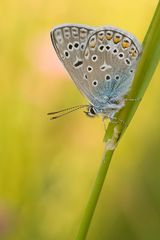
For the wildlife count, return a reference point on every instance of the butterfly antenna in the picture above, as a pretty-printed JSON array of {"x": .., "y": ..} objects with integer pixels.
[{"x": 66, "y": 111}]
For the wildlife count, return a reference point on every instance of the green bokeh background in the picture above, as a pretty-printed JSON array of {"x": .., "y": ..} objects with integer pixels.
[{"x": 47, "y": 168}]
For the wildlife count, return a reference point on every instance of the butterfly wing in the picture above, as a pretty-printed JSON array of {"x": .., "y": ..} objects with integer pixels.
[
  {"x": 110, "y": 60},
  {"x": 69, "y": 42}
]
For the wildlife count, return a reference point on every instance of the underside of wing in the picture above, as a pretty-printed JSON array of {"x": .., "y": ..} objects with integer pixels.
[
  {"x": 69, "y": 42},
  {"x": 110, "y": 60},
  {"x": 101, "y": 61}
]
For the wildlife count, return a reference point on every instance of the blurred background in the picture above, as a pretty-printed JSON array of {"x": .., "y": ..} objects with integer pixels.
[{"x": 47, "y": 168}]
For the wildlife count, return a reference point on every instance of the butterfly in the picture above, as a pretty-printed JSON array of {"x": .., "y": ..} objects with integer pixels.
[{"x": 102, "y": 63}]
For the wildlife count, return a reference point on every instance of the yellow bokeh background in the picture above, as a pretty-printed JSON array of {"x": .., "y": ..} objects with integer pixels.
[{"x": 47, "y": 168}]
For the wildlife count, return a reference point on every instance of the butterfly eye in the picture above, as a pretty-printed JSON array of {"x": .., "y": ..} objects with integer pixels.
[
  {"x": 95, "y": 83},
  {"x": 91, "y": 111}
]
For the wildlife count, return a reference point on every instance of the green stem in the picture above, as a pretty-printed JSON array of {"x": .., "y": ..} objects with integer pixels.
[
  {"x": 91, "y": 205},
  {"x": 145, "y": 71}
]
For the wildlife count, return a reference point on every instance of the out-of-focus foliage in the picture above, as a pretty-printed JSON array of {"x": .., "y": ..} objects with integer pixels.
[{"x": 47, "y": 168}]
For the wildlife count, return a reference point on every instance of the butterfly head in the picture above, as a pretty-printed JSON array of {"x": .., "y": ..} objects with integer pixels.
[
  {"x": 107, "y": 110},
  {"x": 91, "y": 111}
]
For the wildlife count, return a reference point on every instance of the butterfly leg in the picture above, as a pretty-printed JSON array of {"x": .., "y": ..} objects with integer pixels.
[
  {"x": 133, "y": 99},
  {"x": 116, "y": 120},
  {"x": 104, "y": 123}
]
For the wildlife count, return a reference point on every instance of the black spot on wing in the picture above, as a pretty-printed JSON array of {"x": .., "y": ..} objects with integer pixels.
[{"x": 78, "y": 63}]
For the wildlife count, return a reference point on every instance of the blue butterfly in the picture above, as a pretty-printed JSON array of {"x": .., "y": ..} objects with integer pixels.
[{"x": 102, "y": 63}]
